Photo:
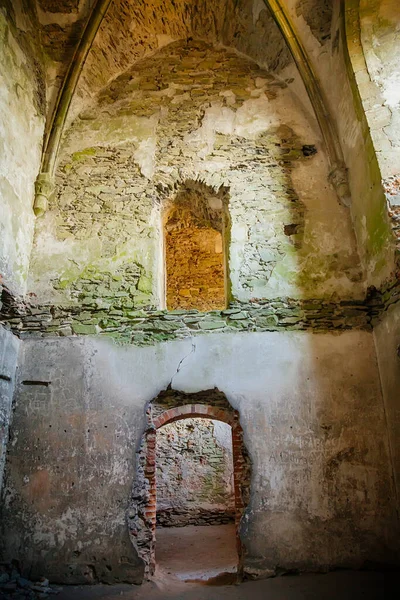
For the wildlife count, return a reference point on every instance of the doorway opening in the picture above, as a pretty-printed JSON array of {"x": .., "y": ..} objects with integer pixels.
[
  {"x": 192, "y": 493},
  {"x": 195, "y": 511},
  {"x": 195, "y": 225}
]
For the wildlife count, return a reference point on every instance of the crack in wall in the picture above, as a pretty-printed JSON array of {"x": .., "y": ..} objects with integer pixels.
[{"x": 192, "y": 351}]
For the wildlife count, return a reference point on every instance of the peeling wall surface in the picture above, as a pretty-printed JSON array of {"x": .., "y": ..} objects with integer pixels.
[
  {"x": 380, "y": 90},
  {"x": 193, "y": 112},
  {"x": 379, "y": 86},
  {"x": 313, "y": 420},
  {"x": 9, "y": 346},
  {"x": 21, "y": 132}
]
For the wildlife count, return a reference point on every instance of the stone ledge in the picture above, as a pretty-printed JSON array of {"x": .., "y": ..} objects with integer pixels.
[{"x": 148, "y": 325}]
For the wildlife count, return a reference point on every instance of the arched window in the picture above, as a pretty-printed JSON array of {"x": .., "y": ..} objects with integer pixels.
[{"x": 194, "y": 229}]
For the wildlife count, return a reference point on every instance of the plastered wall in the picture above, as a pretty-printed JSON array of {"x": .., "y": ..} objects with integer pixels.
[
  {"x": 9, "y": 346},
  {"x": 313, "y": 420},
  {"x": 21, "y": 132},
  {"x": 387, "y": 341}
]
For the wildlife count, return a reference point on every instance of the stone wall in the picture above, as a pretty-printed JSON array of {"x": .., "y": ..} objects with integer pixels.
[
  {"x": 21, "y": 131},
  {"x": 147, "y": 326},
  {"x": 194, "y": 473},
  {"x": 314, "y": 424},
  {"x": 335, "y": 71},
  {"x": 9, "y": 346},
  {"x": 379, "y": 84},
  {"x": 194, "y": 264},
  {"x": 193, "y": 112},
  {"x": 196, "y": 226}
]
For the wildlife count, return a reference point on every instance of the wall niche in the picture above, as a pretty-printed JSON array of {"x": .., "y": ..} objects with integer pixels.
[{"x": 195, "y": 242}]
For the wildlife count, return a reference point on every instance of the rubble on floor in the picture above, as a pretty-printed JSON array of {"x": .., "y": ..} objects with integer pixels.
[{"x": 14, "y": 586}]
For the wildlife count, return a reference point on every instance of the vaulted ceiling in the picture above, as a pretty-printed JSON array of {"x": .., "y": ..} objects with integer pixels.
[{"x": 134, "y": 28}]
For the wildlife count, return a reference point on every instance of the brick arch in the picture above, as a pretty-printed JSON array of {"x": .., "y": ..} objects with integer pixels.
[
  {"x": 143, "y": 506},
  {"x": 191, "y": 411}
]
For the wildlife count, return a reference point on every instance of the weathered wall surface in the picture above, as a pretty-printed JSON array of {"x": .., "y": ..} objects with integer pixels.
[
  {"x": 194, "y": 113},
  {"x": 380, "y": 89},
  {"x": 387, "y": 342},
  {"x": 9, "y": 346},
  {"x": 194, "y": 473},
  {"x": 196, "y": 227},
  {"x": 194, "y": 264},
  {"x": 313, "y": 420},
  {"x": 375, "y": 54},
  {"x": 21, "y": 131},
  {"x": 322, "y": 31}
]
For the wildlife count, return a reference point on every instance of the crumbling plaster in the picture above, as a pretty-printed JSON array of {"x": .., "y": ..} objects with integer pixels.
[
  {"x": 379, "y": 22},
  {"x": 313, "y": 420},
  {"x": 120, "y": 163},
  {"x": 21, "y": 131},
  {"x": 329, "y": 59}
]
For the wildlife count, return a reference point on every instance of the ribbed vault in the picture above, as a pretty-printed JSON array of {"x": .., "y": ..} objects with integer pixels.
[{"x": 133, "y": 29}]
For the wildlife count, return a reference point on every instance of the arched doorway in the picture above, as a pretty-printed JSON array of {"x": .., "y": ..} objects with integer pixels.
[
  {"x": 195, "y": 530},
  {"x": 170, "y": 406}
]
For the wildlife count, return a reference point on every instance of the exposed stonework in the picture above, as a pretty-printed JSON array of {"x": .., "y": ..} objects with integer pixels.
[
  {"x": 318, "y": 16},
  {"x": 195, "y": 113},
  {"x": 193, "y": 104},
  {"x": 248, "y": 27},
  {"x": 148, "y": 326},
  {"x": 194, "y": 266},
  {"x": 195, "y": 229},
  {"x": 194, "y": 473}
]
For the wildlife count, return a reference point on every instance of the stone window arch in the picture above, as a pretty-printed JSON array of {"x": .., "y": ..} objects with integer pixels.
[{"x": 196, "y": 235}]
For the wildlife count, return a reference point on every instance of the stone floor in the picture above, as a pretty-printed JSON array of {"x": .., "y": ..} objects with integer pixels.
[
  {"x": 343, "y": 585},
  {"x": 203, "y": 553},
  {"x": 196, "y": 552}
]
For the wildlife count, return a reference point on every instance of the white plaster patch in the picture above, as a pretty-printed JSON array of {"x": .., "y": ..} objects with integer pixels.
[
  {"x": 145, "y": 155},
  {"x": 115, "y": 130},
  {"x": 255, "y": 116}
]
